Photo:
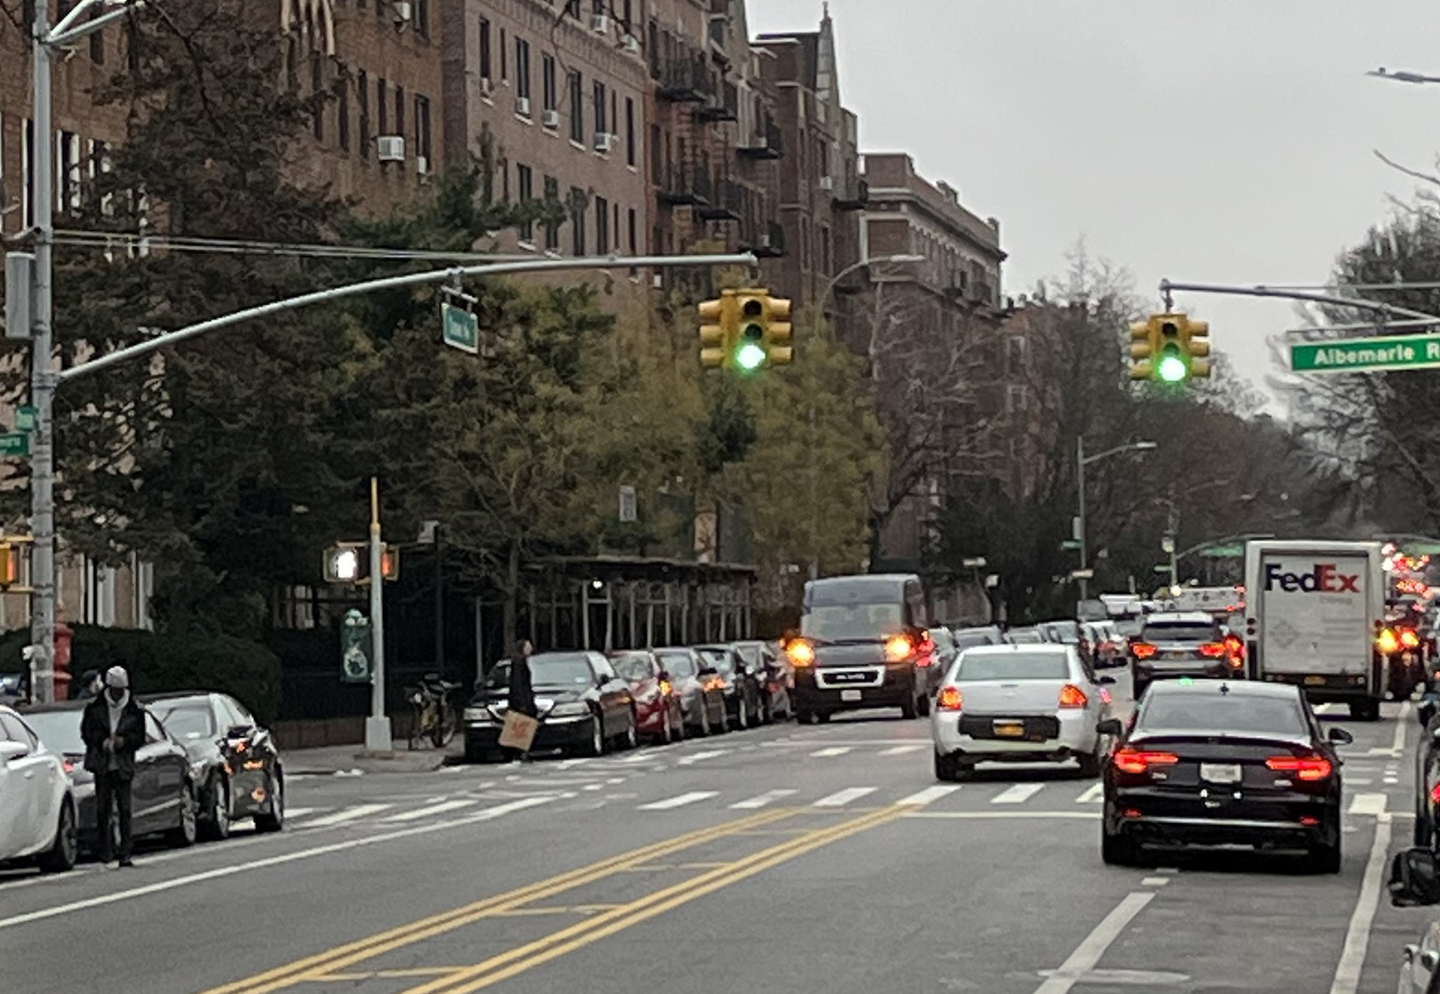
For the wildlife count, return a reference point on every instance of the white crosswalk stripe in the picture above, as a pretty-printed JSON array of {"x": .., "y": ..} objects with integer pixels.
[
  {"x": 696, "y": 757},
  {"x": 831, "y": 751},
  {"x": 843, "y": 797},
  {"x": 680, "y": 800},
  {"x": 761, "y": 800},
  {"x": 1092, "y": 795},
  {"x": 349, "y": 814},
  {"x": 900, "y": 750},
  {"x": 1018, "y": 794},
  {"x": 1367, "y": 804},
  {"x": 293, "y": 813},
  {"x": 928, "y": 795},
  {"x": 433, "y": 809}
]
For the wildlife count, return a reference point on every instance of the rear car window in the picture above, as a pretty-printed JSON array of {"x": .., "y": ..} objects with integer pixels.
[
  {"x": 1234, "y": 713},
  {"x": 633, "y": 666},
  {"x": 966, "y": 640},
  {"x": 1179, "y": 631},
  {"x": 677, "y": 663},
  {"x": 977, "y": 664}
]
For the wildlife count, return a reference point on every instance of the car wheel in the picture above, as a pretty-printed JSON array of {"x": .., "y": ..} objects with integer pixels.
[
  {"x": 822, "y": 717},
  {"x": 183, "y": 834},
  {"x": 475, "y": 752},
  {"x": 217, "y": 818},
  {"x": 596, "y": 745},
  {"x": 63, "y": 852},
  {"x": 704, "y": 718},
  {"x": 947, "y": 767},
  {"x": 742, "y": 713},
  {"x": 1091, "y": 762},
  {"x": 1117, "y": 850},
  {"x": 275, "y": 819},
  {"x": 1325, "y": 859}
]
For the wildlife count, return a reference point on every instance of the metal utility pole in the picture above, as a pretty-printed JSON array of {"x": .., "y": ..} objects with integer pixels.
[
  {"x": 439, "y": 601},
  {"x": 377, "y": 726}
]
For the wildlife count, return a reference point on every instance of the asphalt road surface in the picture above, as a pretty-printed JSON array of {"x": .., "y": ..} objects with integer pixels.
[{"x": 789, "y": 859}]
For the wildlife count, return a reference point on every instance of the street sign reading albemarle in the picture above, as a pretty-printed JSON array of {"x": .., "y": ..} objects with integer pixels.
[{"x": 1366, "y": 355}]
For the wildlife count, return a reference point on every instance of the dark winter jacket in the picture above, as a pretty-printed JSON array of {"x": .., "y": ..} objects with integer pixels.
[
  {"x": 95, "y": 729},
  {"x": 522, "y": 691}
]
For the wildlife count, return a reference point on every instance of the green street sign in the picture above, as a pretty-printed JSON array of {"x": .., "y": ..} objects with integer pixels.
[
  {"x": 25, "y": 418},
  {"x": 1162, "y": 569},
  {"x": 1224, "y": 552},
  {"x": 460, "y": 329},
  {"x": 15, "y": 443},
  {"x": 1423, "y": 549},
  {"x": 1070, "y": 543},
  {"x": 1361, "y": 355}
]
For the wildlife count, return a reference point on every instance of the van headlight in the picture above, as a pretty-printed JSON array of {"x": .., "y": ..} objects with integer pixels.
[{"x": 572, "y": 709}]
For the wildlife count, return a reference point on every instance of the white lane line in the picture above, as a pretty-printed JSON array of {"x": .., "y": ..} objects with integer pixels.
[
  {"x": 928, "y": 795},
  {"x": 1402, "y": 722},
  {"x": 349, "y": 814},
  {"x": 1018, "y": 793},
  {"x": 831, "y": 751},
  {"x": 293, "y": 813},
  {"x": 1367, "y": 804},
  {"x": 696, "y": 757},
  {"x": 843, "y": 797},
  {"x": 761, "y": 800},
  {"x": 1154, "y": 881},
  {"x": 1357, "y": 936},
  {"x": 1092, "y": 794},
  {"x": 637, "y": 757},
  {"x": 680, "y": 800},
  {"x": 434, "y": 809},
  {"x": 1088, "y": 953},
  {"x": 488, "y": 814},
  {"x": 900, "y": 750}
]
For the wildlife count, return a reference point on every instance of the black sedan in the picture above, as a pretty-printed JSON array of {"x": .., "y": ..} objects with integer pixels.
[
  {"x": 742, "y": 684},
  {"x": 163, "y": 792},
  {"x": 774, "y": 677},
  {"x": 585, "y": 707},
  {"x": 235, "y": 762},
  {"x": 1214, "y": 762}
]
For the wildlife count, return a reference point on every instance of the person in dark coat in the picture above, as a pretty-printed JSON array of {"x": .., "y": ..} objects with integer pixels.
[
  {"x": 113, "y": 729},
  {"x": 521, "y": 697}
]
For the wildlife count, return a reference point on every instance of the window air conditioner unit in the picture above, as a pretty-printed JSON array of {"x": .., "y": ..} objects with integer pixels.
[
  {"x": 604, "y": 142},
  {"x": 827, "y": 183},
  {"x": 522, "y": 106},
  {"x": 402, "y": 11},
  {"x": 390, "y": 148},
  {"x": 551, "y": 119},
  {"x": 422, "y": 165},
  {"x": 600, "y": 24},
  {"x": 631, "y": 44}
]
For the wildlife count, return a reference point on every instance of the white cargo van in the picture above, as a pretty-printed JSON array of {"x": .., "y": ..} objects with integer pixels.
[{"x": 1313, "y": 611}]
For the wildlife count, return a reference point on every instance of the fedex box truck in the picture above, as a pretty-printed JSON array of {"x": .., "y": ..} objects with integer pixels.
[{"x": 1313, "y": 610}]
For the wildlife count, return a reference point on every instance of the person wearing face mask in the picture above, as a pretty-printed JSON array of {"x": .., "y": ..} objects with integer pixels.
[{"x": 113, "y": 728}]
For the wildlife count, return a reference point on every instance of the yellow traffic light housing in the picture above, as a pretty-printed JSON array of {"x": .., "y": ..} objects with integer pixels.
[
  {"x": 1142, "y": 350},
  {"x": 716, "y": 331},
  {"x": 779, "y": 332},
  {"x": 750, "y": 353},
  {"x": 1197, "y": 346},
  {"x": 1171, "y": 363},
  {"x": 9, "y": 565}
]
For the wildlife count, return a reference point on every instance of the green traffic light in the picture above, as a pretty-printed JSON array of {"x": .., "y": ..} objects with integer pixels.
[
  {"x": 1172, "y": 369},
  {"x": 750, "y": 356}
]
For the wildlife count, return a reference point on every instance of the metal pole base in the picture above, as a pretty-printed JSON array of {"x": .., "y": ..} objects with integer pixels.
[{"x": 377, "y": 734}]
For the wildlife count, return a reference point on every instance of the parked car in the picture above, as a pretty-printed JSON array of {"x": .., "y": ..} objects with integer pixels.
[
  {"x": 14, "y": 689},
  {"x": 966, "y": 638},
  {"x": 163, "y": 792},
  {"x": 702, "y": 692},
  {"x": 939, "y": 659},
  {"x": 1064, "y": 632},
  {"x": 37, "y": 801},
  {"x": 1026, "y": 636},
  {"x": 584, "y": 706},
  {"x": 1107, "y": 647},
  {"x": 775, "y": 676},
  {"x": 742, "y": 685},
  {"x": 659, "y": 712},
  {"x": 1019, "y": 703},
  {"x": 234, "y": 761}
]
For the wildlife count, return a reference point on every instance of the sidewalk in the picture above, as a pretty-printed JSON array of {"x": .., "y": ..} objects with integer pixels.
[{"x": 353, "y": 760}]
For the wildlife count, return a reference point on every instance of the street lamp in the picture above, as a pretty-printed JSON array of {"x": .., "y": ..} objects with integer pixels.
[
  {"x": 1081, "y": 461},
  {"x": 1403, "y": 76},
  {"x": 897, "y": 259}
]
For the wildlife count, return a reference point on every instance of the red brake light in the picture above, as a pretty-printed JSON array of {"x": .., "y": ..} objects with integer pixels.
[
  {"x": 69, "y": 766},
  {"x": 1213, "y": 650},
  {"x": 1387, "y": 642},
  {"x": 1072, "y": 696},
  {"x": 1144, "y": 650},
  {"x": 1409, "y": 639},
  {"x": 1435, "y": 794},
  {"x": 1129, "y": 760},
  {"x": 950, "y": 699},
  {"x": 1304, "y": 767}
]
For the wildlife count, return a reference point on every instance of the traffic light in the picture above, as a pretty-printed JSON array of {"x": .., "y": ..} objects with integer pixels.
[
  {"x": 1142, "y": 350},
  {"x": 9, "y": 565},
  {"x": 782, "y": 353},
  {"x": 1171, "y": 366},
  {"x": 717, "y": 331},
  {"x": 349, "y": 562},
  {"x": 1169, "y": 348},
  {"x": 1197, "y": 346},
  {"x": 750, "y": 352}
]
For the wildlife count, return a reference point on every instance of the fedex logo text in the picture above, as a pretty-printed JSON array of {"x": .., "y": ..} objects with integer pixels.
[{"x": 1323, "y": 579}]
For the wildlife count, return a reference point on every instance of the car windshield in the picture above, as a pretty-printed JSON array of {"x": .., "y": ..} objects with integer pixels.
[
  {"x": 189, "y": 721},
  {"x": 59, "y": 730},
  {"x": 1178, "y": 631},
  {"x": 678, "y": 664},
  {"x": 561, "y": 671},
  {"x": 633, "y": 666},
  {"x": 1234, "y": 713},
  {"x": 979, "y": 664},
  {"x": 835, "y": 622},
  {"x": 720, "y": 659},
  {"x": 749, "y": 653}
]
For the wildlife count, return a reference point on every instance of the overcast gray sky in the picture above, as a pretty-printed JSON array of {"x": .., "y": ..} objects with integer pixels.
[{"x": 1219, "y": 141}]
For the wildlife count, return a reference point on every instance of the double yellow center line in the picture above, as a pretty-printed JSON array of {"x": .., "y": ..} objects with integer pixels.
[{"x": 319, "y": 966}]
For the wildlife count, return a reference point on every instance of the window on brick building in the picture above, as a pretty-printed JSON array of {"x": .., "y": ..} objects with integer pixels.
[
  {"x": 576, "y": 97},
  {"x": 504, "y": 56},
  {"x": 600, "y": 122},
  {"x": 522, "y": 68},
  {"x": 421, "y": 11},
  {"x": 577, "y": 220},
  {"x": 633, "y": 231},
  {"x": 317, "y": 85},
  {"x": 552, "y": 227},
  {"x": 422, "y": 134},
  {"x": 525, "y": 192},
  {"x": 362, "y": 90},
  {"x": 602, "y": 226},
  {"x": 342, "y": 110},
  {"x": 485, "y": 49},
  {"x": 630, "y": 151},
  {"x": 549, "y": 90}
]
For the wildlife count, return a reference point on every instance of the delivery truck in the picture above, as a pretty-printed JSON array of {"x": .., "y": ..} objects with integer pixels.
[{"x": 1313, "y": 612}]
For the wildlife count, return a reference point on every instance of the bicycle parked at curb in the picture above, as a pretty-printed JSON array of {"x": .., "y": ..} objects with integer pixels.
[{"x": 434, "y": 715}]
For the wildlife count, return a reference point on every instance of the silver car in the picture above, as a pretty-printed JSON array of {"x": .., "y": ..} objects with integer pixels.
[{"x": 1021, "y": 704}]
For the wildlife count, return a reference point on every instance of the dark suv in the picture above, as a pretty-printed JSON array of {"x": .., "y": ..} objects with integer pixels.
[{"x": 1181, "y": 643}]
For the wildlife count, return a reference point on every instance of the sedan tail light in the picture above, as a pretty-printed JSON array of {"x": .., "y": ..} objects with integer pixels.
[
  {"x": 1072, "y": 696},
  {"x": 1387, "y": 642},
  {"x": 1144, "y": 650},
  {"x": 1129, "y": 760},
  {"x": 666, "y": 688},
  {"x": 1435, "y": 794},
  {"x": 1213, "y": 650},
  {"x": 1304, "y": 767},
  {"x": 950, "y": 699}
]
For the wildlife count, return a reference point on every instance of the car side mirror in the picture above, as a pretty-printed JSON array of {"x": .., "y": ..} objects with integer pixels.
[
  {"x": 1110, "y": 726},
  {"x": 1106, "y": 681},
  {"x": 239, "y": 732},
  {"x": 1414, "y": 879},
  {"x": 13, "y": 750},
  {"x": 1339, "y": 736}
]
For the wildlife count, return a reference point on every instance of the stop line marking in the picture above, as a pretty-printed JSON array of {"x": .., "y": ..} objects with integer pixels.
[
  {"x": 696, "y": 757},
  {"x": 831, "y": 751},
  {"x": 1092, "y": 794},
  {"x": 900, "y": 750}
]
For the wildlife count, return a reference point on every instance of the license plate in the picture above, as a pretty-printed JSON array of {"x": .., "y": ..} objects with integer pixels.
[
  {"x": 1314, "y": 681},
  {"x": 1010, "y": 729},
  {"x": 1177, "y": 655},
  {"x": 850, "y": 695},
  {"x": 1220, "y": 772}
]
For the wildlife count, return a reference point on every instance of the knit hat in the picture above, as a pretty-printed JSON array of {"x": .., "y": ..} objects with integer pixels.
[{"x": 116, "y": 676}]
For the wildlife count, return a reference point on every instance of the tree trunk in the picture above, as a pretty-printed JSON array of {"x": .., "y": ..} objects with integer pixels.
[{"x": 512, "y": 594}]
